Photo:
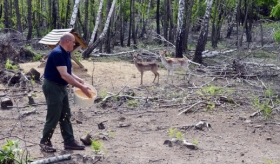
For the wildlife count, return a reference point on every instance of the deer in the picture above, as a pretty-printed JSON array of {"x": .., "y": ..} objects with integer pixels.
[
  {"x": 172, "y": 64},
  {"x": 146, "y": 66}
]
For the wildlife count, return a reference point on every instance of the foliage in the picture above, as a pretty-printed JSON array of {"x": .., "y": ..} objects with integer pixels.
[
  {"x": 11, "y": 153},
  {"x": 78, "y": 57},
  {"x": 276, "y": 36},
  {"x": 96, "y": 146},
  {"x": 37, "y": 57},
  {"x": 265, "y": 105},
  {"x": 195, "y": 141},
  {"x": 9, "y": 65},
  {"x": 179, "y": 136},
  {"x": 212, "y": 90},
  {"x": 275, "y": 12},
  {"x": 132, "y": 103},
  {"x": 268, "y": 161},
  {"x": 103, "y": 93},
  {"x": 172, "y": 132}
]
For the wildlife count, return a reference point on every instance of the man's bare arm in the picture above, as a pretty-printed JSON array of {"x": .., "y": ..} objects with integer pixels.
[{"x": 72, "y": 80}]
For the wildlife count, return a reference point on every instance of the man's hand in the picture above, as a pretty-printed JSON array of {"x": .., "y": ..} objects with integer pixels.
[{"x": 86, "y": 91}]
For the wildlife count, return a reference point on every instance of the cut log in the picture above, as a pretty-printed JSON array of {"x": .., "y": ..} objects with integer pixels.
[
  {"x": 33, "y": 74},
  {"x": 53, "y": 159},
  {"x": 5, "y": 102}
]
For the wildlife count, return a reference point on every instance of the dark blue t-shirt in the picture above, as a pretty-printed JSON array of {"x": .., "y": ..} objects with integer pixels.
[{"x": 57, "y": 57}]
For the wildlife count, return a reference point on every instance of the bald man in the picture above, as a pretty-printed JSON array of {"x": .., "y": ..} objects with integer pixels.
[{"x": 57, "y": 76}]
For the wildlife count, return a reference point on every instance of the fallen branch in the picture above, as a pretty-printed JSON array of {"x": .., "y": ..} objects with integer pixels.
[
  {"x": 26, "y": 113},
  {"x": 53, "y": 159},
  {"x": 115, "y": 54},
  {"x": 190, "y": 107}
]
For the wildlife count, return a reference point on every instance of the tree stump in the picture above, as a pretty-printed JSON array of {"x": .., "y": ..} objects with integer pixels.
[
  {"x": 5, "y": 102},
  {"x": 33, "y": 74}
]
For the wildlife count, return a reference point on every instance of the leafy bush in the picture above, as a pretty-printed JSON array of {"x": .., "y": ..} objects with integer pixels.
[
  {"x": 9, "y": 65},
  {"x": 276, "y": 35},
  {"x": 10, "y": 153}
]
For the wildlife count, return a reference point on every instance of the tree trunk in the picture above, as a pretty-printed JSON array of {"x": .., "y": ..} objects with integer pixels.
[
  {"x": 122, "y": 23},
  {"x": 170, "y": 13},
  {"x": 74, "y": 14},
  {"x": 44, "y": 20},
  {"x": 91, "y": 47},
  {"x": 217, "y": 23},
  {"x": 158, "y": 20},
  {"x": 165, "y": 20},
  {"x": 96, "y": 22},
  {"x": 249, "y": 21},
  {"x": 202, "y": 39},
  {"x": 130, "y": 24},
  {"x": 232, "y": 19},
  {"x": 144, "y": 31},
  {"x": 180, "y": 29},
  {"x": 29, "y": 20},
  {"x": 6, "y": 14},
  {"x": 133, "y": 31},
  {"x": 86, "y": 20},
  {"x": 108, "y": 38},
  {"x": 188, "y": 7},
  {"x": 19, "y": 27},
  {"x": 68, "y": 6}
]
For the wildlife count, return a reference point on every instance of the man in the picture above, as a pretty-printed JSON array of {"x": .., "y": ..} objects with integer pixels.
[{"x": 57, "y": 75}]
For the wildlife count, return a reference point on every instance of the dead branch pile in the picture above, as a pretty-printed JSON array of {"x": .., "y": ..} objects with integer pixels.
[{"x": 245, "y": 70}]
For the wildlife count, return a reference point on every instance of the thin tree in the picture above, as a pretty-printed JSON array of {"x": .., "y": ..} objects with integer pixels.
[
  {"x": 96, "y": 22},
  {"x": 74, "y": 14},
  {"x": 92, "y": 46},
  {"x": 158, "y": 20},
  {"x": 180, "y": 29},
  {"x": 19, "y": 27},
  {"x": 29, "y": 19},
  {"x": 202, "y": 39}
]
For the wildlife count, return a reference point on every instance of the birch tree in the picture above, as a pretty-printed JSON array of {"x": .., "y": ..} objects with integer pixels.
[
  {"x": 74, "y": 13},
  {"x": 180, "y": 29},
  {"x": 96, "y": 22},
  {"x": 92, "y": 46},
  {"x": 202, "y": 39}
]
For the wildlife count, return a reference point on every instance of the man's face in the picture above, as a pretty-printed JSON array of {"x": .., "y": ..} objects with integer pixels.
[{"x": 71, "y": 44}]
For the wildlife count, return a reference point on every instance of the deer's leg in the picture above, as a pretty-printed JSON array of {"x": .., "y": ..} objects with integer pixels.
[
  {"x": 168, "y": 74},
  {"x": 157, "y": 77},
  {"x": 172, "y": 75},
  {"x": 141, "y": 78}
]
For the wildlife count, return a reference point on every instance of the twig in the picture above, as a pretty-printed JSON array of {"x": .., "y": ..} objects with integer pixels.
[{"x": 190, "y": 107}]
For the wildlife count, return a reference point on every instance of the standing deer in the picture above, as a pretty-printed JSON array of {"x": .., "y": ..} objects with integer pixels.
[
  {"x": 145, "y": 66},
  {"x": 172, "y": 64}
]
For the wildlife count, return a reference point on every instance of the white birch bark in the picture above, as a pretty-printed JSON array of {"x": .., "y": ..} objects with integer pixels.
[
  {"x": 100, "y": 38},
  {"x": 108, "y": 20},
  {"x": 180, "y": 20},
  {"x": 96, "y": 22},
  {"x": 44, "y": 24},
  {"x": 74, "y": 13}
]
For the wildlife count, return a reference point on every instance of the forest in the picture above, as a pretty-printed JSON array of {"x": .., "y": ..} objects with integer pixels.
[
  {"x": 134, "y": 23},
  {"x": 226, "y": 112}
]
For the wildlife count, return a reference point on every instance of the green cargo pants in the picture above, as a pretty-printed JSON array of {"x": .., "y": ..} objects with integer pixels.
[{"x": 58, "y": 111}]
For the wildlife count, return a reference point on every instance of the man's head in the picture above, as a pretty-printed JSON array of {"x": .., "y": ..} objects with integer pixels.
[{"x": 67, "y": 41}]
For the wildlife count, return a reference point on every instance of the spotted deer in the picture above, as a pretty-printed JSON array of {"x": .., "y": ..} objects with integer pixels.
[
  {"x": 146, "y": 66},
  {"x": 172, "y": 64}
]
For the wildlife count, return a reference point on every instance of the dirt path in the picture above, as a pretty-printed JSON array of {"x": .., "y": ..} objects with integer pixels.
[{"x": 135, "y": 134}]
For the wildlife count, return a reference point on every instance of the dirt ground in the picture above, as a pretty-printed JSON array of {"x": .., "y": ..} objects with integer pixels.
[{"x": 135, "y": 131}]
